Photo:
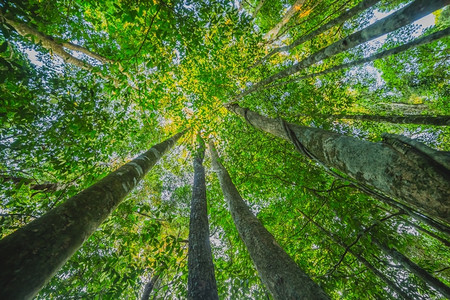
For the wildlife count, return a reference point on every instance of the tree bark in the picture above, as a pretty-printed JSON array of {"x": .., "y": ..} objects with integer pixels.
[
  {"x": 201, "y": 278},
  {"x": 149, "y": 288},
  {"x": 421, "y": 41},
  {"x": 30, "y": 256},
  {"x": 413, "y": 268},
  {"x": 408, "y": 119},
  {"x": 342, "y": 18},
  {"x": 279, "y": 273},
  {"x": 271, "y": 34},
  {"x": 364, "y": 261},
  {"x": 400, "y": 18},
  {"x": 396, "y": 166}
]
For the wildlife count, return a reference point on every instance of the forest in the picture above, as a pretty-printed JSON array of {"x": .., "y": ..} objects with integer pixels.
[{"x": 224, "y": 149}]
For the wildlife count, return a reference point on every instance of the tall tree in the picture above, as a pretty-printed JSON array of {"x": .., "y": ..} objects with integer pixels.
[
  {"x": 400, "y": 18},
  {"x": 280, "y": 274},
  {"x": 31, "y": 255},
  {"x": 292, "y": 11},
  {"x": 201, "y": 279},
  {"x": 391, "y": 166},
  {"x": 408, "y": 119}
]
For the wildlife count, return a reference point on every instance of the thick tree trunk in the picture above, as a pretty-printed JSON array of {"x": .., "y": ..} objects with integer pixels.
[
  {"x": 421, "y": 41},
  {"x": 397, "y": 167},
  {"x": 398, "y": 19},
  {"x": 273, "y": 33},
  {"x": 279, "y": 273},
  {"x": 342, "y": 18},
  {"x": 30, "y": 256},
  {"x": 413, "y": 268},
  {"x": 201, "y": 279},
  {"x": 408, "y": 119},
  {"x": 361, "y": 259}
]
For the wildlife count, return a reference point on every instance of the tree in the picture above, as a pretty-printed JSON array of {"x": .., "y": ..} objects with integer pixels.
[
  {"x": 280, "y": 274},
  {"x": 201, "y": 279},
  {"x": 46, "y": 243}
]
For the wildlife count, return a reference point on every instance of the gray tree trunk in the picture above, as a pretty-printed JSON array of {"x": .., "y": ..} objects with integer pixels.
[
  {"x": 414, "y": 268},
  {"x": 342, "y": 18},
  {"x": 396, "y": 167},
  {"x": 408, "y": 119},
  {"x": 149, "y": 288},
  {"x": 421, "y": 41},
  {"x": 361, "y": 259},
  {"x": 279, "y": 273},
  {"x": 201, "y": 278},
  {"x": 30, "y": 256},
  {"x": 398, "y": 19}
]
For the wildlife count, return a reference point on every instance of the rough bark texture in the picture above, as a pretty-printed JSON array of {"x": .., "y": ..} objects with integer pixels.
[
  {"x": 400, "y": 18},
  {"x": 201, "y": 278},
  {"x": 273, "y": 33},
  {"x": 394, "y": 167},
  {"x": 342, "y": 18},
  {"x": 30, "y": 256},
  {"x": 408, "y": 119},
  {"x": 364, "y": 261},
  {"x": 414, "y": 268},
  {"x": 421, "y": 41},
  {"x": 279, "y": 273}
]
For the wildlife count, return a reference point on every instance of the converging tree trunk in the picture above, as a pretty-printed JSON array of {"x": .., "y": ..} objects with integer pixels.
[
  {"x": 360, "y": 258},
  {"x": 201, "y": 279},
  {"x": 30, "y": 256},
  {"x": 399, "y": 167},
  {"x": 398, "y": 19},
  {"x": 342, "y": 18},
  {"x": 279, "y": 273},
  {"x": 273, "y": 33},
  {"x": 408, "y": 119},
  {"x": 413, "y": 268}
]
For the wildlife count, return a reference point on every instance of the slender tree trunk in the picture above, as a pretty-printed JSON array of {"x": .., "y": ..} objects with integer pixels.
[
  {"x": 413, "y": 268},
  {"x": 149, "y": 288},
  {"x": 279, "y": 273},
  {"x": 408, "y": 119},
  {"x": 342, "y": 18},
  {"x": 273, "y": 33},
  {"x": 432, "y": 234},
  {"x": 421, "y": 41},
  {"x": 258, "y": 8},
  {"x": 366, "y": 263},
  {"x": 30, "y": 256},
  {"x": 400, "y": 18},
  {"x": 396, "y": 166},
  {"x": 33, "y": 185},
  {"x": 201, "y": 279}
]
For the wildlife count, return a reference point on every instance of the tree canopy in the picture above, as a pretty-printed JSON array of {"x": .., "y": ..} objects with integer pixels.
[{"x": 86, "y": 86}]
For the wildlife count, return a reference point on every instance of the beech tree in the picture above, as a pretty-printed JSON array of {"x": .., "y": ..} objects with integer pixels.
[{"x": 86, "y": 86}]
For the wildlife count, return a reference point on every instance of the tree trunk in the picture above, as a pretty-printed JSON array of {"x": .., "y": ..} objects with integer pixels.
[
  {"x": 414, "y": 268},
  {"x": 395, "y": 166},
  {"x": 273, "y": 33},
  {"x": 149, "y": 288},
  {"x": 400, "y": 18},
  {"x": 201, "y": 279},
  {"x": 279, "y": 273},
  {"x": 408, "y": 119},
  {"x": 33, "y": 185},
  {"x": 30, "y": 256},
  {"x": 432, "y": 234},
  {"x": 342, "y": 18},
  {"x": 421, "y": 41},
  {"x": 361, "y": 259}
]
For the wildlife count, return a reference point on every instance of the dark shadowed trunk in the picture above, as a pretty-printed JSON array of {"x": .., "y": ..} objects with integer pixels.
[
  {"x": 30, "y": 256},
  {"x": 413, "y": 268},
  {"x": 342, "y": 18},
  {"x": 33, "y": 185},
  {"x": 361, "y": 259},
  {"x": 279, "y": 273},
  {"x": 201, "y": 279},
  {"x": 398, "y": 19},
  {"x": 399, "y": 167},
  {"x": 149, "y": 288},
  {"x": 408, "y": 119}
]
